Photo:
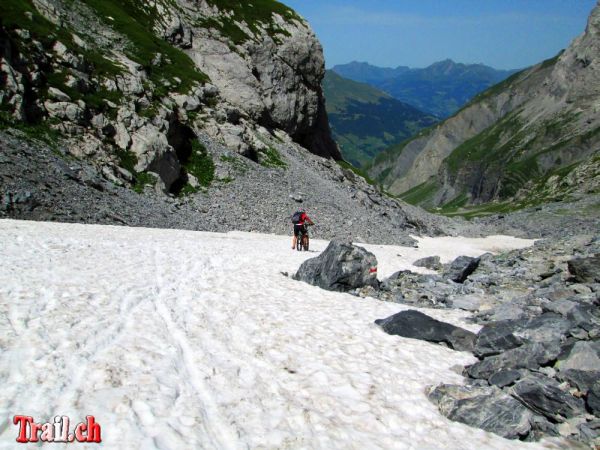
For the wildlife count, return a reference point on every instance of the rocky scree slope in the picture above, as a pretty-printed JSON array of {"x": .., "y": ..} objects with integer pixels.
[
  {"x": 42, "y": 182},
  {"x": 519, "y": 141},
  {"x": 132, "y": 84}
]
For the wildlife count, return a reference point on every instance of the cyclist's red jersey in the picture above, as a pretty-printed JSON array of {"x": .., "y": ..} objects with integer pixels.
[{"x": 303, "y": 218}]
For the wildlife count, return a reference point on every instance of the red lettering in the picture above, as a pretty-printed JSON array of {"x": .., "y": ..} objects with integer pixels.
[
  {"x": 35, "y": 429},
  {"x": 79, "y": 432},
  {"x": 93, "y": 430},
  {"x": 22, "y": 421}
]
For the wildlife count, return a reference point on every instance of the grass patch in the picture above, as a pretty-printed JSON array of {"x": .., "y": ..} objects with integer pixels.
[
  {"x": 488, "y": 209},
  {"x": 272, "y": 158},
  {"x": 421, "y": 193},
  {"x": 32, "y": 131},
  {"x": 455, "y": 204},
  {"x": 127, "y": 160},
  {"x": 142, "y": 179},
  {"x": 134, "y": 19},
  {"x": 256, "y": 16},
  {"x": 14, "y": 16},
  {"x": 200, "y": 165}
]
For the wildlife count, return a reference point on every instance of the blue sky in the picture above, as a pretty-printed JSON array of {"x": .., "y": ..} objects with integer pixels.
[{"x": 506, "y": 34}]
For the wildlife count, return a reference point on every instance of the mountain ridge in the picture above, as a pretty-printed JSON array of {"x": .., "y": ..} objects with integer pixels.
[
  {"x": 365, "y": 120},
  {"x": 440, "y": 88},
  {"x": 525, "y": 141}
]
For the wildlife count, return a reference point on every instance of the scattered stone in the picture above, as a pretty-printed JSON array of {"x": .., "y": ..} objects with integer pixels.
[
  {"x": 505, "y": 378},
  {"x": 469, "y": 302},
  {"x": 543, "y": 395},
  {"x": 495, "y": 338},
  {"x": 590, "y": 431},
  {"x": 582, "y": 356},
  {"x": 430, "y": 262},
  {"x": 461, "y": 268},
  {"x": 487, "y": 408},
  {"x": 593, "y": 399},
  {"x": 416, "y": 325},
  {"x": 585, "y": 270},
  {"x": 528, "y": 356},
  {"x": 341, "y": 267}
]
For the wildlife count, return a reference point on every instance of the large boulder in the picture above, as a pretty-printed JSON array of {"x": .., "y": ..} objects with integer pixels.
[
  {"x": 543, "y": 395},
  {"x": 416, "y": 325},
  {"x": 585, "y": 270},
  {"x": 341, "y": 267},
  {"x": 483, "y": 407},
  {"x": 461, "y": 268},
  {"x": 528, "y": 356}
]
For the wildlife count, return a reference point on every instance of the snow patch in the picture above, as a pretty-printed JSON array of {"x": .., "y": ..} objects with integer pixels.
[{"x": 181, "y": 339}]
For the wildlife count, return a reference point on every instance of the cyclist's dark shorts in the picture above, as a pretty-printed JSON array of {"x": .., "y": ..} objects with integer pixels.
[{"x": 298, "y": 229}]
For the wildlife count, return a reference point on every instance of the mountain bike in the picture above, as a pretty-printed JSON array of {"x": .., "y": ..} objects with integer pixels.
[{"x": 303, "y": 240}]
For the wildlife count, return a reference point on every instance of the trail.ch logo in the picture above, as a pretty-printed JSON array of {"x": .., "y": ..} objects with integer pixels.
[{"x": 57, "y": 431}]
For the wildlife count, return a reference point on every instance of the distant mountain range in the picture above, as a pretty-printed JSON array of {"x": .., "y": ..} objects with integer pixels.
[
  {"x": 440, "y": 89},
  {"x": 532, "y": 139},
  {"x": 365, "y": 120}
]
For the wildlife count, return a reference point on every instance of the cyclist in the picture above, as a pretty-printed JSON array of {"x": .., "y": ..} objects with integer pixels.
[{"x": 299, "y": 219}]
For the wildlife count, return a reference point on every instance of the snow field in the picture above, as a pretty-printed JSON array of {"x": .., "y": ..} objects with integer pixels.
[{"x": 179, "y": 339}]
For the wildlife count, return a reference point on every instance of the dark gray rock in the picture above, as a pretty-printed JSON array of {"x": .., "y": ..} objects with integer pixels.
[
  {"x": 543, "y": 395},
  {"x": 431, "y": 262},
  {"x": 590, "y": 430},
  {"x": 585, "y": 316},
  {"x": 583, "y": 380},
  {"x": 505, "y": 378},
  {"x": 497, "y": 337},
  {"x": 593, "y": 398},
  {"x": 503, "y": 311},
  {"x": 585, "y": 270},
  {"x": 579, "y": 364},
  {"x": 416, "y": 325},
  {"x": 341, "y": 267},
  {"x": 418, "y": 289},
  {"x": 540, "y": 428},
  {"x": 561, "y": 307},
  {"x": 528, "y": 356},
  {"x": 544, "y": 328},
  {"x": 461, "y": 268},
  {"x": 487, "y": 408}
]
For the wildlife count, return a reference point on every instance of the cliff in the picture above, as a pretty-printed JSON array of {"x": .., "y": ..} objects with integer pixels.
[{"x": 130, "y": 84}]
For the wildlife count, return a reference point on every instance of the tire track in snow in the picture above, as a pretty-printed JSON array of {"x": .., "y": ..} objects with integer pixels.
[{"x": 220, "y": 435}]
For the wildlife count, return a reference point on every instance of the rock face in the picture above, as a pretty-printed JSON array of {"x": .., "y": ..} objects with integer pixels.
[
  {"x": 341, "y": 267},
  {"x": 272, "y": 76},
  {"x": 524, "y": 140},
  {"x": 416, "y": 325},
  {"x": 124, "y": 97}
]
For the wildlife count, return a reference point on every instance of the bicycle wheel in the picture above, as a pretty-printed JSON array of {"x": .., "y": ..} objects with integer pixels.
[
  {"x": 306, "y": 241},
  {"x": 299, "y": 242}
]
